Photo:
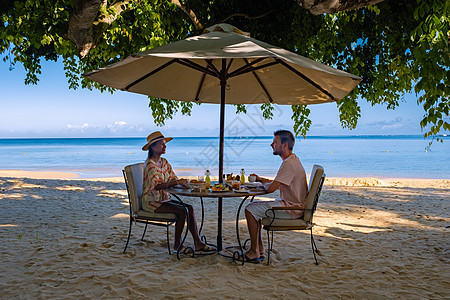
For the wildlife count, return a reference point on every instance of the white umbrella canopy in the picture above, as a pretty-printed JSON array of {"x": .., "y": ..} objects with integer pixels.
[{"x": 255, "y": 72}]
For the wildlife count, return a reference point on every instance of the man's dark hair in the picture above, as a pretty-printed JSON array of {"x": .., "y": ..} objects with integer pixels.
[{"x": 286, "y": 137}]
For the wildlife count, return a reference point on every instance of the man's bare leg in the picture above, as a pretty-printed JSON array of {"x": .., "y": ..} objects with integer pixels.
[
  {"x": 260, "y": 242},
  {"x": 254, "y": 229}
]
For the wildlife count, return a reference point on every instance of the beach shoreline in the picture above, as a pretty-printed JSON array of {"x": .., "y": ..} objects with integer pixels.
[
  {"x": 182, "y": 173},
  {"x": 63, "y": 238}
]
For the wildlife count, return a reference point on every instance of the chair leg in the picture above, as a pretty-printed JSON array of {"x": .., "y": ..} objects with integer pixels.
[
  {"x": 314, "y": 247},
  {"x": 270, "y": 244},
  {"x": 129, "y": 234},
  {"x": 145, "y": 230},
  {"x": 168, "y": 239}
]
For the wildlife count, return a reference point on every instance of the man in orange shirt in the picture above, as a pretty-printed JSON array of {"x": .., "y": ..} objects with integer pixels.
[{"x": 290, "y": 180}]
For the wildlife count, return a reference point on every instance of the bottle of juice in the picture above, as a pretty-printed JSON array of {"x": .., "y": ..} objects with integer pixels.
[
  {"x": 207, "y": 180},
  {"x": 242, "y": 176}
]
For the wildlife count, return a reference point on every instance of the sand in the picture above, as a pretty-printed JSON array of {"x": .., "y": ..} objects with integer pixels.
[{"x": 378, "y": 239}]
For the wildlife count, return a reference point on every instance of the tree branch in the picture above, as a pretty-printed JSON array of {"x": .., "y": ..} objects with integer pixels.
[
  {"x": 318, "y": 7},
  {"x": 247, "y": 16},
  {"x": 190, "y": 13},
  {"x": 117, "y": 8}
]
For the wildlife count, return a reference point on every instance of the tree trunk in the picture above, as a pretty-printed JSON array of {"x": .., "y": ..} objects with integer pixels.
[{"x": 81, "y": 24}]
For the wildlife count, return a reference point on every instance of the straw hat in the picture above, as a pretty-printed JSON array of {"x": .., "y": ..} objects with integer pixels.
[{"x": 153, "y": 138}]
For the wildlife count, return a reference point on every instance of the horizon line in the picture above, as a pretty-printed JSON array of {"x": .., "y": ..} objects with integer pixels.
[{"x": 237, "y": 136}]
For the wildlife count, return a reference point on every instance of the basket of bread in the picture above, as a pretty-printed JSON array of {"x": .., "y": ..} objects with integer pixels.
[{"x": 197, "y": 185}]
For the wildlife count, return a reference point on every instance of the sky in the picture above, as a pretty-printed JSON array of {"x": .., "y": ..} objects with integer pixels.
[{"x": 51, "y": 109}]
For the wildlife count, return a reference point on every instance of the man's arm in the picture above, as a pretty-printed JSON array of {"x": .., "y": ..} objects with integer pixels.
[
  {"x": 261, "y": 179},
  {"x": 272, "y": 186},
  {"x": 269, "y": 185}
]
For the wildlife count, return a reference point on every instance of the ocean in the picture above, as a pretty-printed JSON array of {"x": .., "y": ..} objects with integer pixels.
[{"x": 341, "y": 156}]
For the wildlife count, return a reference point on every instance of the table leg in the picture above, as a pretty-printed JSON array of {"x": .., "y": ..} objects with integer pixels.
[
  {"x": 219, "y": 225},
  {"x": 203, "y": 217},
  {"x": 203, "y": 237},
  {"x": 236, "y": 253}
]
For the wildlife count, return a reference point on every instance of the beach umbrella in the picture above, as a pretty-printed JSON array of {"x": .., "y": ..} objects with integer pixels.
[{"x": 225, "y": 65}]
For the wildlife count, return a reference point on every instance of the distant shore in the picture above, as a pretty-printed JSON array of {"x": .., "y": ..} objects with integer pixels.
[{"x": 186, "y": 173}]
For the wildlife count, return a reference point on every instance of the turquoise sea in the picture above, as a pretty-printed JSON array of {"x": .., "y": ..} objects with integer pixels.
[{"x": 341, "y": 156}]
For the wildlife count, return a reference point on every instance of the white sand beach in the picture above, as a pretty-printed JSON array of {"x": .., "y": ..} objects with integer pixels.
[{"x": 378, "y": 239}]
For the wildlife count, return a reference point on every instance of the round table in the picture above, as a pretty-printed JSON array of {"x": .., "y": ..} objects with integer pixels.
[{"x": 219, "y": 195}]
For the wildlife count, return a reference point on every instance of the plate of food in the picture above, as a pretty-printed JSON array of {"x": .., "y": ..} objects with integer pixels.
[
  {"x": 218, "y": 187},
  {"x": 241, "y": 190}
]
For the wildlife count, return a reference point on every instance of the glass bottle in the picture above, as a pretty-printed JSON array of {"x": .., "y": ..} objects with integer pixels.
[
  {"x": 207, "y": 180},
  {"x": 242, "y": 176}
]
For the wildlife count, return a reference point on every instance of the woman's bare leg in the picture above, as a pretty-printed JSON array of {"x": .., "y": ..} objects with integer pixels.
[
  {"x": 180, "y": 212},
  {"x": 193, "y": 229}
]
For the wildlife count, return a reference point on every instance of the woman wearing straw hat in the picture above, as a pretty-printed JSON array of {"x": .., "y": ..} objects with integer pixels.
[{"x": 158, "y": 176}]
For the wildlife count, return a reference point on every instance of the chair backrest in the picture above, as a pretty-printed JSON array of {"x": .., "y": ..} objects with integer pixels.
[
  {"x": 314, "y": 188},
  {"x": 134, "y": 178}
]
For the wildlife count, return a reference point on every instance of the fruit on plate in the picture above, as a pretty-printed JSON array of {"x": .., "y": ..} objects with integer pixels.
[{"x": 218, "y": 187}]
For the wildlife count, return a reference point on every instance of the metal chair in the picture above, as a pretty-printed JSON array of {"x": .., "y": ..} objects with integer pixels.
[
  {"x": 271, "y": 223},
  {"x": 133, "y": 175}
]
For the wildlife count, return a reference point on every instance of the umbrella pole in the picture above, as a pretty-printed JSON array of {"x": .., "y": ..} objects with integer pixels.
[
  {"x": 223, "y": 84},
  {"x": 222, "y": 129}
]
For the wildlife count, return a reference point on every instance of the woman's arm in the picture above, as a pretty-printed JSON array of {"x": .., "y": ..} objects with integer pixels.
[{"x": 166, "y": 185}]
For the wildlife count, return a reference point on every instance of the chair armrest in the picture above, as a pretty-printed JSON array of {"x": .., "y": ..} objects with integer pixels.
[{"x": 287, "y": 208}]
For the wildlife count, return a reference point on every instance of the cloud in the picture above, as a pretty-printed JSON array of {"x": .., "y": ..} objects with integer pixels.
[
  {"x": 388, "y": 124},
  {"x": 118, "y": 128},
  {"x": 120, "y": 123}
]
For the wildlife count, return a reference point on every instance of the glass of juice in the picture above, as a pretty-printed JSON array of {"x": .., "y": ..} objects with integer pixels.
[{"x": 235, "y": 185}]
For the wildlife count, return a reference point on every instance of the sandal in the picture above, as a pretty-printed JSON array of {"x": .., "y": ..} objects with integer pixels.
[
  {"x": 180, "y": 250},
  {"x": 250, "y": 260}
]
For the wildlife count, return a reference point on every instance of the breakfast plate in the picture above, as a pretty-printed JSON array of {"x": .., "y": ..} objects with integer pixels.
[
  {"x": 253, "y": 184},
  {"x": 219, "y": 191}
]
